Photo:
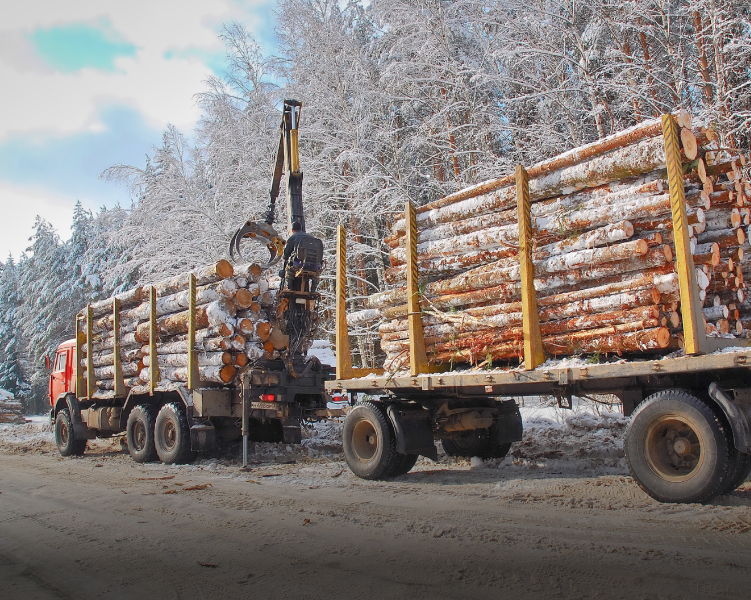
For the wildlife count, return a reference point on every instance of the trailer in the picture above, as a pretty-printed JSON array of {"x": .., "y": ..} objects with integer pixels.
[{"x": 689, "y": 437}]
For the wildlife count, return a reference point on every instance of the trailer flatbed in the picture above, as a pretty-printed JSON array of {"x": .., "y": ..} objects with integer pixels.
[{"x": 550, "y": 377}]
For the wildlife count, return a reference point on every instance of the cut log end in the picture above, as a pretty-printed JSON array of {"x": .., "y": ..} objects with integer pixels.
[
  {"x": 227, "y": 373},
  {"x": 690, "y": 146},
  {"x": 224, "y": 269}
]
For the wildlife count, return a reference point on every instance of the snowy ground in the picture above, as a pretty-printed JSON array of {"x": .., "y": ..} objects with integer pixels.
[{"x": 559, "y": 517}]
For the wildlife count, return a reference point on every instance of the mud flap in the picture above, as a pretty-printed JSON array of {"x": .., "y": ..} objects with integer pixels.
[
  {"x": 80, "y": 430},
  {"x": 738, "y": 415},
  {"x": 414, "y": 434},
  {"x": 202, "y": 437},
  {"x": 508, "y": 427}
]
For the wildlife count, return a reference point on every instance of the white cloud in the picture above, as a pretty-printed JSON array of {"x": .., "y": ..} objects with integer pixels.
[
  {"x": 43, "y": 101},
  {"x": 19, "y": 207}
]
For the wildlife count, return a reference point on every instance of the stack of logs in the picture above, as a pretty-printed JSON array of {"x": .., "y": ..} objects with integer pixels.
[
  {"x": 11, "y": 410},
  {"x": 234, "y": 326},
  {"x": 603, "y": 254}
]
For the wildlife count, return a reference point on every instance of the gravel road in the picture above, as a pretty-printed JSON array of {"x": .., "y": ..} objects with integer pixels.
[{"x": 299, "y": 525}]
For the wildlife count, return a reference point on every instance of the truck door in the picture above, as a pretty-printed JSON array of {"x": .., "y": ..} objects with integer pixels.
[{"x": 57, "y": 377}]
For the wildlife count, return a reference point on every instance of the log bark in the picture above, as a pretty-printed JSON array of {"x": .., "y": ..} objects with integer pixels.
[
  {"x": 664, "y": 279},
  {"x": 628, "y": 137},
  {"x": 205, "y": 359},
  {"x": 210, "y": 374},
  {"x": 209, "y": 274},
  {"x": 593, "y": 198},
  {"x": 127, "y": 299},
  {"x": 448, "y": 265},
  {"x": 214, "y": 314}
]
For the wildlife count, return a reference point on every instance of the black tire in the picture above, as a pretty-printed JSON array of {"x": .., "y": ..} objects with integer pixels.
[
  {"x": 67, "y": 445},
  {"x": 139, "y": 433},
  {"x": 740, "y": 471},
  {"x": 475, "y": 442},
  {"x": 467, "y": 443},
  {"x": 678, "y": 449},
  {"x": 172, "y": 435},
  {"x": 369, "y": 442},
  {"x": 404, "y": 464},
  {"x": 497, "y": 450}
]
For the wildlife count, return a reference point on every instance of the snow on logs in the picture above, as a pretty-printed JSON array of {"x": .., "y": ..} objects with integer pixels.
[
  {"x": 234, "y": 321},
  {"x": 603, "y": 254}
]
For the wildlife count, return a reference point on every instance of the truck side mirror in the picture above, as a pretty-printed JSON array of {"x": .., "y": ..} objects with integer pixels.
[{"x": 47, "y": 361}]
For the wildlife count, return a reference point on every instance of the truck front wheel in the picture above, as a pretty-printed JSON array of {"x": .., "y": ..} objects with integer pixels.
[
  {"x": 66, "y": 443},
  {"x": 140, "y": 433},
  {"x": 172, "y": 435},
  {"x": 369, "y": 442},
  {"x": 678, "y": 449}
]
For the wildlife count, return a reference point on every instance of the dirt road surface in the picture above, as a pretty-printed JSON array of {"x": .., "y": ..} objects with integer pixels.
[{"x": 299, "y": 525}]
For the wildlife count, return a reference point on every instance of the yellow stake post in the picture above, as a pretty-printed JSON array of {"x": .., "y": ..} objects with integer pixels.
[
  {"x": 418, "y": 360},
  {"x": 79, "y": 356},
  {"x": 192, "y": 354},
  {"x": 693, "y": 325},
  {"x": 118, "y": 364},
  {"x": 534, "y": 355},
  {"x": 154, "y": 377},
  {"x": 90, "y": 378},
  {"x": 343, "y": 350}
]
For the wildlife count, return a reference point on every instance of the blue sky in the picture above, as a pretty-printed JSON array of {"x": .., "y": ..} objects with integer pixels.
[{"x": 91, "y": 83}]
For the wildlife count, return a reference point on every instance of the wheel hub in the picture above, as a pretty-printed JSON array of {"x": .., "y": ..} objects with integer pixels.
[
  {"x": 139, "y": 436},
  {"x": 682, "y": 446},
  {"x": 364, "y": 441},
  {"x": 673, "y": 448},
  {"x": 170, "y": 435}
]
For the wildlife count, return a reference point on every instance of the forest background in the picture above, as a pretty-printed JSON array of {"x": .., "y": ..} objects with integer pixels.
[{"x": 402, "y": 100}]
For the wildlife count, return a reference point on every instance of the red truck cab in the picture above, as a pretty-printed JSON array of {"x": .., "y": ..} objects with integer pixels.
[{"x": 63, "y": 375}]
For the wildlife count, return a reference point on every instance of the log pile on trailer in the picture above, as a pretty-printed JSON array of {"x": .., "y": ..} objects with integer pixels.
[
  {"x": 616, "y": 241},
  {"x": 143, "y": 339}
]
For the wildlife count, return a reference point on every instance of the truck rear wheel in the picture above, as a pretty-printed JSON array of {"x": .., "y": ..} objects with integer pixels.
[
  {"x": 475, "y": 442},
  {"x": 172, "y": 435},
  {"x": 678, "y": 449},
  {"x": 140, "y": 433},
  {"x": 369, "y": 442},
  {"x": 67, "y": 445}
]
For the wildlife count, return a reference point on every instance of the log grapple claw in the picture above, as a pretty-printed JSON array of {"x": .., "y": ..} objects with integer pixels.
[{"x": 262, "y": 232}]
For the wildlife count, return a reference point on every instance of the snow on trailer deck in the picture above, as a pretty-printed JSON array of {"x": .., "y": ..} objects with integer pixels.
[{"x": 552, "y": 374}]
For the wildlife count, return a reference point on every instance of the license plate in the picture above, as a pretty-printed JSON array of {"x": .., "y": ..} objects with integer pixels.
[{"x": 264, "y": 406}]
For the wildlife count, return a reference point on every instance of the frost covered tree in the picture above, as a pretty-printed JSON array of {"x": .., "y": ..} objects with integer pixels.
[
  {"x": 11, "y": 336},
  {"x": 46, "y": 315}
]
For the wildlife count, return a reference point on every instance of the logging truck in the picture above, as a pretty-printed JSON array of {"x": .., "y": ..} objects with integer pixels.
[
  {"x": 687, "y": 389},
  {"x": 217, "y": 352}
]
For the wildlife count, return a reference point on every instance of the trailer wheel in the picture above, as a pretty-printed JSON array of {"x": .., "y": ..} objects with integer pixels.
[
  {"x": 404, "y": 464},
  {"x": 67, "y": 445},
  {"x": 678, "y": 449},
  {"x": 475, "y": 442},
  {"x": 139, "y": 433},
  {"x": 740, "y": 471},
  {"x": 172, "y": 435},
  {"x": 469, "y": 443},
  {"x": 369, "y": 442}
]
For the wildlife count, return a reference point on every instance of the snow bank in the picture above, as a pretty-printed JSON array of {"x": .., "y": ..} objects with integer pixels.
[{"x": 29, "y": 435}]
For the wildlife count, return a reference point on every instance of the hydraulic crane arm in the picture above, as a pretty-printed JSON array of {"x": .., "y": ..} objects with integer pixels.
[{"x": 287, "y": 155}]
